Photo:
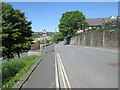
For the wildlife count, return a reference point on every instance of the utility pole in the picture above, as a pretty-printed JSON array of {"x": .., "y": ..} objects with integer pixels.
[
  {"x": 45, "y": 44},
  {"x": 83, "y": 27},
  {"x": 55, "y": 31}
]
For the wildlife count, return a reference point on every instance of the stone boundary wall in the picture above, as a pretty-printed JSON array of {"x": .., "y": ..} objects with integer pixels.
[{"x": 107, "y": 38}]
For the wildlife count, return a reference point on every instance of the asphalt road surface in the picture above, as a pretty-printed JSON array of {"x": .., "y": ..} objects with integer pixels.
[
  {"x": 70, "y": 66},
  {"x": 87, "y": 67},
  {"x": 44, "y": 75}
]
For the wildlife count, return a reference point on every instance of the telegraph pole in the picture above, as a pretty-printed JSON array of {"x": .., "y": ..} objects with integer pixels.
[{"x": 55, "y": 30}]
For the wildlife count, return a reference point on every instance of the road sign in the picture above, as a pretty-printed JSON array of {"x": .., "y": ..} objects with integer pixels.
[{"x": 44, "y": 33}]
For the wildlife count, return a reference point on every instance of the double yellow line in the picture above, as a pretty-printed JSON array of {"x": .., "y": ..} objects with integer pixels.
[{"x": 61, "y": 77}]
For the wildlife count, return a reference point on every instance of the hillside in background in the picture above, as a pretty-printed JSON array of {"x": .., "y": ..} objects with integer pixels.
[{"x": 39, "y": 34}]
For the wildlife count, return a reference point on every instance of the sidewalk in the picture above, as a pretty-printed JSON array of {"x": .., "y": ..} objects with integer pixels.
[
  {"x": 44, "y": 75},
  {"x": 108, "y": 48}
]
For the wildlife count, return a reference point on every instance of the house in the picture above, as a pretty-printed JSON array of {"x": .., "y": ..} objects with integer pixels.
[
  {"x": 97, "y": 23},
  {"x": 118, "y": 18}
]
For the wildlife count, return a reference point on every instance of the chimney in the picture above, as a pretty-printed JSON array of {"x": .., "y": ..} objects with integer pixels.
[{"x": 118, "y": 18}]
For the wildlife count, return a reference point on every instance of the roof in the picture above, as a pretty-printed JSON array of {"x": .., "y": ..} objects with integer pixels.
[{"x": 98, "y": 21}]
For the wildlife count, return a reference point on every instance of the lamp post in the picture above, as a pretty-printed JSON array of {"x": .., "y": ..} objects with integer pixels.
[
  {"x": 45, "y": 44},
  {"x": 83, "y": 28},
  {"x": 44, "y": 33}
]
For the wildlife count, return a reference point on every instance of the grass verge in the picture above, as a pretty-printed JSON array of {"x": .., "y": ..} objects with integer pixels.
[{"x": 17, "y": 68}]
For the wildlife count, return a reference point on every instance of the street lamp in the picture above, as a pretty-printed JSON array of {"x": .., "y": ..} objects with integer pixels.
[{"x": 83, "y": 28}]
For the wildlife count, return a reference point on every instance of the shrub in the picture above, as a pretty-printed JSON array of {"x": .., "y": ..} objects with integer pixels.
[
  {"x": 10, "y": 68},
  {"x": 14, "y": 69}
]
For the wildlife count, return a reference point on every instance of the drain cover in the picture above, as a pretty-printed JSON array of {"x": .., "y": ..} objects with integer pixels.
[{"x": 115, "y": 64}]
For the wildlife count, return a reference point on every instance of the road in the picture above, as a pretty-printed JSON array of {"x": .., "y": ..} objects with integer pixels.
[
  {"x": 87, "y": 67},
  {"x": 69, "y": 66}
]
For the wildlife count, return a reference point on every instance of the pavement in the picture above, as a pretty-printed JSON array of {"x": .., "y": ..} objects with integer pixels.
[
  {"x": 88, "y": 67},
  {"x": 44, "y": 74}
]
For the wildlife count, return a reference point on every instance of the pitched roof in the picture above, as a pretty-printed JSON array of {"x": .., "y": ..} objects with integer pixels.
[{"x": 98, "y": 21}]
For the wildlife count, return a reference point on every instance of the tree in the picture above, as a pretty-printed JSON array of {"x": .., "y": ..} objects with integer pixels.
[
  {"x": 42, "y": 41},
  {"x": 72, "y": 21},
  {"x": 16, "y": 31},
  {"x": 56, "y": 37}
]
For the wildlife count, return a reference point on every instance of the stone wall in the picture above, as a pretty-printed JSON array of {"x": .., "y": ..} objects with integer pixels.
[
  {"x": 105, "y": 38},
  {"x": 111, "y": 38},
  {"x": 35, "y": 47},
  {"x": 97, "y": 39}
]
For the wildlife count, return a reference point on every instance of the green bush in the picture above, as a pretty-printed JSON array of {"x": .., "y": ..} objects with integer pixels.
[
  {"x": 14, "y": 69},
  {"x": 10, "y": 68},
  {"x": 42, "y": 41}
]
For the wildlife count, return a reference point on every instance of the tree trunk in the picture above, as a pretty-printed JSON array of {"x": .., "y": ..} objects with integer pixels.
[{"x": 18, "y": 53}]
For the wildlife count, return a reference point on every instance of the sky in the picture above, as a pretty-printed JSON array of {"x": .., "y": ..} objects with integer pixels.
[
  {"x": 46, "y": 15},
  {"x": 60, "y": 0}
]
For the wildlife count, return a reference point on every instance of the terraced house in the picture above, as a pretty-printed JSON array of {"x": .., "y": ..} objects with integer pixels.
[{"x": 98, "y": 23}]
